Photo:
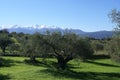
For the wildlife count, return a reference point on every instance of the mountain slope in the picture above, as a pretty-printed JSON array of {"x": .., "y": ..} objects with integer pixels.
[{"x": 99, "y": 34}]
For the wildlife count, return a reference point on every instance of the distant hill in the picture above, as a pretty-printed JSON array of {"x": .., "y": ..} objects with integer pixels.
[
  {"x": 99, "y": 34},
  {"x": 38, "y": 28}
]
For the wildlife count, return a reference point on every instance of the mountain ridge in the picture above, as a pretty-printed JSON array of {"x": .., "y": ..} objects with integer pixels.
[{"x": 42, "y": 29}]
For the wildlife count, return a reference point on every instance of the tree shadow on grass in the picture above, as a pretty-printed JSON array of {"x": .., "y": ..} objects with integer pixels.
[
  {"x": 102, "y": 64},
  {"x": 6, "y": 62},
  {"x": 68, "y": 73},
  {"x": 4, "y": 77},
  {"x": 71, "y": 66},
  {"x": 101, "y": 56},
  {"x": 81, "y": 75},
  {"x": 47, "y": 64},
  {"x": 52, "y": 70}
]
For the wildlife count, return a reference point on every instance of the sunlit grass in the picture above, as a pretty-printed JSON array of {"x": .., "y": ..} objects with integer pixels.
[{"x": 15, "y": 68}]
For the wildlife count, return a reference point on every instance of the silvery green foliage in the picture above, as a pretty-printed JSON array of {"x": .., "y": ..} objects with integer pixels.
[
  {"x": 115, "y": 18},
  {"x": 114, "y": 44}
]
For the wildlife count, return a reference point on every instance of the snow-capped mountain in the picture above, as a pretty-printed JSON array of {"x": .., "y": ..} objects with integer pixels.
[{"x": 42, "y": 29}]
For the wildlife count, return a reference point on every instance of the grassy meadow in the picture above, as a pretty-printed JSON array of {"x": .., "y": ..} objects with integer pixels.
[{"x": 16, "y": 68}]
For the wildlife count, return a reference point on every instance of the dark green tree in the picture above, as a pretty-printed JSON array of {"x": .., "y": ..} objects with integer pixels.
[
  {"x": 5, "y": 40},
  {"x": 15, "y": 47},
  {"x": 67, "y": 47},
  {"x": 34, "y": 46}
]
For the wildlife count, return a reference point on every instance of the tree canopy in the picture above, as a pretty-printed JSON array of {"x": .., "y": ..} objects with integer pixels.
[
  {"x": 5, "y": 40},
  {"x": 114, "y": 44},
  {"x": 66, "y": 47}
]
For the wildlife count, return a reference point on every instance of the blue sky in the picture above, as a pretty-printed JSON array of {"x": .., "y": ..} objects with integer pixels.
[{"x": 87, "y": 15}]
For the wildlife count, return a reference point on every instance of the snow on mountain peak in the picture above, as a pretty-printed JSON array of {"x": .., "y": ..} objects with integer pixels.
[
  {"x": 28, "y": 26},
  {"x": 36, "y": 26}
]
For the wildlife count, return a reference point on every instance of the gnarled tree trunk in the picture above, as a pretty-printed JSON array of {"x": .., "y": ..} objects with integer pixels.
[{"x": 62, "y": 62}]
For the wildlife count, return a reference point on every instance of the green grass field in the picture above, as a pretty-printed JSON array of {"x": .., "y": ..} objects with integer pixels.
[{"x": 15, "y": 68}]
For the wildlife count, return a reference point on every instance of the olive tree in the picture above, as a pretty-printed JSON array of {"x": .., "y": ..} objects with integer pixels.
[
  {"x": 34, "y": 46},
  {"x": 5, "y": 40},
  {"x": 66, "y": 47},
  {"x": 114, "y": 44},
  {"x": 14, "y": 48},
  {"x": 97, "y": 45},
  {"x": 113, "y": 48}
]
